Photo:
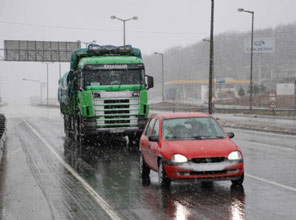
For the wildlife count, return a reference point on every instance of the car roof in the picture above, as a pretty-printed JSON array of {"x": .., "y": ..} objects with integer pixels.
[{"x": 169, "y": 115}]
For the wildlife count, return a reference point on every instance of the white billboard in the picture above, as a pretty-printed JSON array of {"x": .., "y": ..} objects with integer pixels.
[
  {"x": 260, "y": 45},
  {"x": 285, "y": 89}
]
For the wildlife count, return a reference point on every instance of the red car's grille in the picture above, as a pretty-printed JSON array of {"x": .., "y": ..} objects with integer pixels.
[
  {"x": 208, "y": 160},
  {"x": 193, "y": 173}
]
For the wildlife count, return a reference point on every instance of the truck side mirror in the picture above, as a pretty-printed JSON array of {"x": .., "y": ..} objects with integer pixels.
[{"x": 150, "y": 82}]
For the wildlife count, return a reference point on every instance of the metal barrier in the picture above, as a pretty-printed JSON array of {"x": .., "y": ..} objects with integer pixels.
[{"x": 284, "y": 112}]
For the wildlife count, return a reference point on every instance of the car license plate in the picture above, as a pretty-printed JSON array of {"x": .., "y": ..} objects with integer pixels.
[{"x": 117, "y": 130}]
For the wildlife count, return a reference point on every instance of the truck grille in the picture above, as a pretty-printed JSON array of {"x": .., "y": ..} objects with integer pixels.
[{"x": 116, "y": 111}]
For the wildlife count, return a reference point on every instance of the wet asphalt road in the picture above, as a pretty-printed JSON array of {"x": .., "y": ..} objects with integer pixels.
[{"x": 44, "y": 176}]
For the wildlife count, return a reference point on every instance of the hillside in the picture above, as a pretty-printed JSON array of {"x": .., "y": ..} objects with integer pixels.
[{"x": 190, "y": 63}]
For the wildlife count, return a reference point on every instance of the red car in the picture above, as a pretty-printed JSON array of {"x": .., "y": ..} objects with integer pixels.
[{"x": 185, "y": 146}]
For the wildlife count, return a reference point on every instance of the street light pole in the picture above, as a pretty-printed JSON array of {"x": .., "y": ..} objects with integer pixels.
[
  {"x": 251, "y": 62},
  {"x": 211, "y": 63},
  {"x": 47, "y": 83},
  {"x": 162, "y": 75},
  {"x": 124, "y": 21},
  {"x": 34, "y": 80}
]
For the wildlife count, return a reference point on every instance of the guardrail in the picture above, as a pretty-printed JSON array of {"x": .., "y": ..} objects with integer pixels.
[
  {"x": 2, "y": 134},
  {"x": 287, "y": 112}
]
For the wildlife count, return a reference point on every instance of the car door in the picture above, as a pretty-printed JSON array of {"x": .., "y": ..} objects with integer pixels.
[
  {"x": 154, "y": 145},
  {"x": 144, "y": 142}
]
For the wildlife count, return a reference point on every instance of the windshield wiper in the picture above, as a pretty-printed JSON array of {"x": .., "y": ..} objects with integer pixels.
[
  {"x": 213, "y": 137},
  {"x": 219, "y": 137},
  {"x": 174, "y": 138},
  {"x": 198, "y": 137}
]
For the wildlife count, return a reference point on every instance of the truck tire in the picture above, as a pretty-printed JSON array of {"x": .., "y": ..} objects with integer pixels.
[
  {"x": 67, "y": 127},
  {"x": 133, "y": 141}
]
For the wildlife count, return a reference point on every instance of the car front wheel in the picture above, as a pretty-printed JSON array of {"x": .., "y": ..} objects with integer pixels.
[
  {"x": 238, "y": 181},
  {"x": 163, "y": 179},
  {"x": 144, "y": 169}
]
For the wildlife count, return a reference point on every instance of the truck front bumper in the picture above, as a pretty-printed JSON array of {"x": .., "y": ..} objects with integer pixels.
[{"x": 90, "y": 128}]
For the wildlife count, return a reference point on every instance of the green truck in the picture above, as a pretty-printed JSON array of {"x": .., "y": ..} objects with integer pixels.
[{"x": 105, "y": 94}]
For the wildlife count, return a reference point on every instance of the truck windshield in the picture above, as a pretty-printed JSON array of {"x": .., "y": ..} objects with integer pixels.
[{"x": 113, "y": 77}]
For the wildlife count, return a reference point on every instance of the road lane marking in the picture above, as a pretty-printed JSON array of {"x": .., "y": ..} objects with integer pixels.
[
  {"x": 92, "y": 192},
  {"x": 265, "y": 145},
  {"x": 271, "y": 182}
]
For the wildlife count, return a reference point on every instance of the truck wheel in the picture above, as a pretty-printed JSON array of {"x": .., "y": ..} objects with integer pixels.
[
  {"x": 80, "y": 137},
  {"x": 67, "y": 127},
  {"x": 163, "y": 179},
  {"x": 133, "y": 141},
  {"x": 144, "y": 169},
  {"x": 76, "y": 130}
]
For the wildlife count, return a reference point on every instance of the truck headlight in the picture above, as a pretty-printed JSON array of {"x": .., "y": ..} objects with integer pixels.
[
  {"x": 235, "y": 155},
  {"x": 179, "y": 158},
  {"x": 136, "y": 94},
  {"x": 96, "y": 95}
]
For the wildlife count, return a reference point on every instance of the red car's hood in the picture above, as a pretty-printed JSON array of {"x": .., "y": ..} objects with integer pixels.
[{"x": 201, "y": 148}]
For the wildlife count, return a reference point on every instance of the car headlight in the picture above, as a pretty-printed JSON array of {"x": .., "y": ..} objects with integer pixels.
[
  {"x": 179, "y": 158},
  {"x": 235, "y": 155}
]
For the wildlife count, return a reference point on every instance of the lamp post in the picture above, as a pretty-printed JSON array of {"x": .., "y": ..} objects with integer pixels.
[
  {"x": 47, "y": 84},
  {"x": 34, "y": 80},
  {"x": 211, "y": 108},
  {"x": 211, "y": 63},
  {"x": 251, "y": 64},
  {"x": 162, "y": 76},
  {"x": 124, "y": 20}
]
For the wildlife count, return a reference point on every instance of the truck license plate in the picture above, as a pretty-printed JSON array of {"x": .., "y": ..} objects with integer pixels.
[{"x": 117, "y": 130}]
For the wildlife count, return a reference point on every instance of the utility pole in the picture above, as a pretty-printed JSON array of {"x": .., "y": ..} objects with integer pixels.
[{"x": 211, "y": 63}]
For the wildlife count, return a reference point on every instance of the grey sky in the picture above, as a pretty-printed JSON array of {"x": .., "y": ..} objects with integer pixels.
[{"x": 162, "y": 24}]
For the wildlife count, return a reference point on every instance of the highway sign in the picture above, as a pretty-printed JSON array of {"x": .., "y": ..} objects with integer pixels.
[
  {"x": 260, "y": 45},
  {"x": 39, "y": 51}
]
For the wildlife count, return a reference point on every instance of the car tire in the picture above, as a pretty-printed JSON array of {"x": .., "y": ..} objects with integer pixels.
[
  {"x": 144, "y": 169},
  {"x": 238, "y": 181},
  {"x": 163, "y": 179}
]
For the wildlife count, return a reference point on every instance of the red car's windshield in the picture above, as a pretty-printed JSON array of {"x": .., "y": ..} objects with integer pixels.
[{"x": 191, "y": 128}]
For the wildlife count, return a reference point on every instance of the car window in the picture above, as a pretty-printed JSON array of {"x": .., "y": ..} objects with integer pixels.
[
  {"x": 191, "y": 128},
  {"x": 155, "y": 131},
  {"x": 150, "y": 127}
]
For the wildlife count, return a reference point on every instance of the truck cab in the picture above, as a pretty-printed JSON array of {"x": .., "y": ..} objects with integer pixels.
[{"x": 108, "y": 94}]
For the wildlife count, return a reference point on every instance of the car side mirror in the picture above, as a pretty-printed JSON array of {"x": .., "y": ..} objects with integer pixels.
[
  {"x": 230, "y": 134},
  {"x": 153, "y": 138},
  {"x": 150, "y": 81}
]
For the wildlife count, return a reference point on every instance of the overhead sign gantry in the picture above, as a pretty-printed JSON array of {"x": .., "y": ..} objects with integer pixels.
[{"x": 39, "y": 51}]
